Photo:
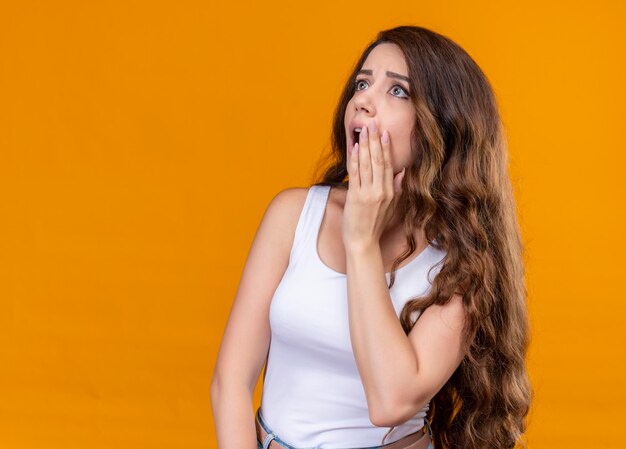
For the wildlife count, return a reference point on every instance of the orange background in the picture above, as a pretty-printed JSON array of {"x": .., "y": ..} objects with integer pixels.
[{"x": 140, "y": 143}]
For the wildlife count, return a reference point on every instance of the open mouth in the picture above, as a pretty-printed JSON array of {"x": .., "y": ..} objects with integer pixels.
[{"x": 355, "y": 136}]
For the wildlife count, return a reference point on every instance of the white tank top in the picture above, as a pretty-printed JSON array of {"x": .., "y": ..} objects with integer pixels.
[{"x": 312, "y": 391}]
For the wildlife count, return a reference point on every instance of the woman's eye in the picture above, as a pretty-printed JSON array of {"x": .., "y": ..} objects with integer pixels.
[
  {"x": 402, "y": 89},
  {"x": 358, "y": 82}
]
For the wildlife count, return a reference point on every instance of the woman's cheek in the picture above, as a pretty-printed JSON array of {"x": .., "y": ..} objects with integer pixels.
[{"x": 400, "y": 157}]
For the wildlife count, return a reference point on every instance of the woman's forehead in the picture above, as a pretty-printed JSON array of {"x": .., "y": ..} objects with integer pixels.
[{"x": 386, "y": 57}]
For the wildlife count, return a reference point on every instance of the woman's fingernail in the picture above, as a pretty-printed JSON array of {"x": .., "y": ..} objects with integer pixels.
[
  {"x": 385, "y": 136},
  {"x": 364, "y": 131}
]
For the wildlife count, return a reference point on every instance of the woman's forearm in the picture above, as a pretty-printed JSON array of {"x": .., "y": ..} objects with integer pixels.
[
  {"x": 234, "y": 417},
  {"x": 378, "y": 339}
]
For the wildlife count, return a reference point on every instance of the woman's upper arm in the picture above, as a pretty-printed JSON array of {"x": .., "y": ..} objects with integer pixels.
[
  {"x": 246, "y": 338},
  {"x": 439, "y": 346}
]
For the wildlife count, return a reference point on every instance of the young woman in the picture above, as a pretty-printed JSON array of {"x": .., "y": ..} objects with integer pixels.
[{"x": 387, "y": 301}]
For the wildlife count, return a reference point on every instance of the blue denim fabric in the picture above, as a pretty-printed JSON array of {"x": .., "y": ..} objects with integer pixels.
[{"x": 272, "y": 436}]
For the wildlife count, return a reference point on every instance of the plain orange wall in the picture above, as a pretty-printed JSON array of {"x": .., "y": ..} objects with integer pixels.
[{"x": 140, "y": 143}]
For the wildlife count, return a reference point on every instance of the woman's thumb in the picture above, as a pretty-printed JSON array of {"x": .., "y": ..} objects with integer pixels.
[{"x": 398, "y": 180}]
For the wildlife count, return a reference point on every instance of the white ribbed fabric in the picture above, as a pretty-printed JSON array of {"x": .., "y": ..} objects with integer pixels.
[{"x": 312, "y": 393}]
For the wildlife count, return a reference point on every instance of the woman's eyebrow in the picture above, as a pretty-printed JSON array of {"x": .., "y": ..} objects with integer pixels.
[{"x": 389, "y": 74}]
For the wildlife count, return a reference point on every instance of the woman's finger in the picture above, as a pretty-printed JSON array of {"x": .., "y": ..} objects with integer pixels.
[
  {"x": 365, "y": 165},
  {"x": 386, "y": 149},
  {"x": 378, "y": 160},
  {"x": 354, "y": 181}
]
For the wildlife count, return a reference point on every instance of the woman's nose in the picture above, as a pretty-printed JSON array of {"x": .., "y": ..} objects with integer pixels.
[{"x": 365, "y": 103}]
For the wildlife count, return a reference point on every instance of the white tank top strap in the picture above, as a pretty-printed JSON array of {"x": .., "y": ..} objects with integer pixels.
[{"x": 309, "y": 223}]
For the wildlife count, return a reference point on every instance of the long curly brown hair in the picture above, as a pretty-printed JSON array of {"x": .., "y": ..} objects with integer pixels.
[{"x": 458, "y": 189}]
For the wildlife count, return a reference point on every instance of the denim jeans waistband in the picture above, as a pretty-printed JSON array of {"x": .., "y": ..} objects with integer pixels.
[{"x": 272, "y": 436}]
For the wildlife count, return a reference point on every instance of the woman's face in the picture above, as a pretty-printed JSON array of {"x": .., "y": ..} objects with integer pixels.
[{"x": 381, "y": 95}]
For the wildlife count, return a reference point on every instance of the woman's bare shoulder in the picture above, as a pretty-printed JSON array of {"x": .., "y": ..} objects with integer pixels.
[{"x": 289, "y": 202}]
